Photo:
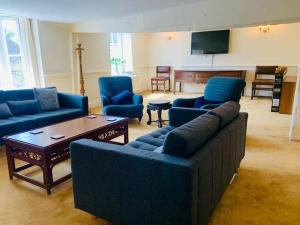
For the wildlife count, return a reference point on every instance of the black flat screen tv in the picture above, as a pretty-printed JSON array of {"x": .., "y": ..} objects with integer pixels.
[{"x": 210, "y": 42}]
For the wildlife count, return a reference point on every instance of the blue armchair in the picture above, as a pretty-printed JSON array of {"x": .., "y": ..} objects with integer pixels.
[
  {"x": 217, "y": 91},
  {"x": 112, "y": 86}
]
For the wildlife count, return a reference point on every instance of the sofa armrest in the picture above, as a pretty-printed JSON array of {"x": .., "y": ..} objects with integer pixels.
[
  {"x": 211, "y": 106},
  {"x": 137, "y": 99},
  {"x": 179, "y": 116},
  {"x": 105, "y": 100},
  {"x": 184, "y": 102},
  {"x": 73, "y": 101},
  {"x": 118, "y": 182}
]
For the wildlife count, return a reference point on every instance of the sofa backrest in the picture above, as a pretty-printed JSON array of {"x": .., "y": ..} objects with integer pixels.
[
  {"x": 2, "y": 96},
  {"x": 19, "y": 95},
  {"x": 222, "y": 89},
  {"x": 111, "y": 86},
  {"x": 226, "y": 112},
  {"x": 185, "y": 140}
]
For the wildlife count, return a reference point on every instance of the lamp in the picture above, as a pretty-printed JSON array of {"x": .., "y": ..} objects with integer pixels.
[{"x": 264, "y": 28}]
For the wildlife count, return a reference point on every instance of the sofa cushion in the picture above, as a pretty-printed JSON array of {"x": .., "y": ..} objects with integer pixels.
[
  {"x": 185, "y": 140},
  {"x": 62, "y": 114},
  {"x": 15, "y": 125},
  {"x": 157, "y": 137},
  {"x": 226, "y": 112},
  {"x": 142, "y": 145},
  {"x": 5, "y": 111},
  {"x": 26, "y": 107},
  {"x": 123, "y": 98},
  {"x": 47, "y": 98}
]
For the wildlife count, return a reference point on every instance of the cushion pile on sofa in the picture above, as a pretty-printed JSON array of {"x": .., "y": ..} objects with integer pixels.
[{"x": 27, "y": 109}]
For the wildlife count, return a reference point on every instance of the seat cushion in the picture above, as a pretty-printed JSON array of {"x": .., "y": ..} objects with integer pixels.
[
  {"x": 156, "y": 138},
  {"x": 226, "y": 112},
  {"x": 48, "y": 118},
  {"x": 26, "y": 107},
  {"x": 15, "y": 125},
  {"x": 131, "y": 111},
  {"x": 185, "y": 140},
  {"x": 47, "y": 98},
  {"x": 5, "y": 111},
  {"x": 123, "y": 98}
]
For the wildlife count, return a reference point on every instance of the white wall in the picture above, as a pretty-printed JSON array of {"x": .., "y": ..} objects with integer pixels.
[
  {"x": 55, "y": 45},
  {"x": 199, "y": 15},
  {"x": 248, "y": 47}
]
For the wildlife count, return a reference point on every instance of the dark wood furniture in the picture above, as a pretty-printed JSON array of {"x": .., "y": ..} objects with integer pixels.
[
  {"x": 202, "y": 76},
  {"x": 261, "y": 82},
  {"x": 287, "y": 94},
  {"x": 163, "y": 74},
  {"x": 157, "y": 105},
  {"x": 43, "y": 151}
]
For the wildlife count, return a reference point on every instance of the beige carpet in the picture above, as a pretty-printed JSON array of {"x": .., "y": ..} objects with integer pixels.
[{"x": 266, "y": 190}]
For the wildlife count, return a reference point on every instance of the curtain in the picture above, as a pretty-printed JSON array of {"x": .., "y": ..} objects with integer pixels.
[{"x": 33, "y": 69}]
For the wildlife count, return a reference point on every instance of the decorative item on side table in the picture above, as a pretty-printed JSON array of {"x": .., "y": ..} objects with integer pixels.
[{"x": 157, "y": 105}]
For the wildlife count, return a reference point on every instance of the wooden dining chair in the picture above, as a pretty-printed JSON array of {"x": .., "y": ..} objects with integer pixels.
[
  {"x": 261, "y": 82},
  {"x": 162, "y": 77}
]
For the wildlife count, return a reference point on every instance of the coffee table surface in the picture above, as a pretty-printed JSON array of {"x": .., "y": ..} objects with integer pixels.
[
  {"x": 159, "y": 102},
  {"x": 70, "y": 129}
]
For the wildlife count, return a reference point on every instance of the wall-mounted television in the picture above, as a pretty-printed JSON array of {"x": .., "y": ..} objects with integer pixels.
[{"x": 210, "y": 42}]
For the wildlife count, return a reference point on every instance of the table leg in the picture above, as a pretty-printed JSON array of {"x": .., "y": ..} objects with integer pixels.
[
  {"x": 149, "y": 114},
  {"x": 159, "y": 118},
  {"x": 126, "y": 134},
  {"x": 47, "y": 173},
  {"x": 10, "y": 162},
  {"x": 174, "y": 88}
]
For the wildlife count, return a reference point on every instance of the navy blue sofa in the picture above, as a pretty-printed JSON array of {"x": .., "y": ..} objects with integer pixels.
[
  {"x": 71, "y": 106},
  {"x": 173, "y": 176}
]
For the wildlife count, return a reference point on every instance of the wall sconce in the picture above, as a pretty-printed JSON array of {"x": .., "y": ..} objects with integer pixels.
[
  {"x": 169, "y": 35},
  {"x": 265, "y": 28}
]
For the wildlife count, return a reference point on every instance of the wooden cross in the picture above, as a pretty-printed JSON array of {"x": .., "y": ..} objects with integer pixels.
[{"x": 79, "y": 50}]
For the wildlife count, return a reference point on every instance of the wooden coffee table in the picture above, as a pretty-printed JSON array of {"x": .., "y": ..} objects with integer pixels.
[{"x": 43, "y": 151}]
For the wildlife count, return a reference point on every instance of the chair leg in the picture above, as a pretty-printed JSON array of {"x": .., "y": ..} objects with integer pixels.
[
  {"x": 252, "y": 92},
  {"x": 156, "y": 85},
  {"x": 169, "y": 85},
  {"x": 164, "y": 86}
]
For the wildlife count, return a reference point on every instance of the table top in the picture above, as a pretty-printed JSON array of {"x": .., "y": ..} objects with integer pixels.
[
  {"x": 159, "y": 102},
  {"x": 71, "y": 129}
]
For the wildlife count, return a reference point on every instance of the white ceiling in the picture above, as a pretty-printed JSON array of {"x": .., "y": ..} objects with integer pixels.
[{"x": 71, "y": 11}]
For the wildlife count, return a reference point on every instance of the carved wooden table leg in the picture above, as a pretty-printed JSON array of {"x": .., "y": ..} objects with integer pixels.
[
  {"x": 159, "y": 121},
  {"x": 149, "y": 114},
  {"x": 10, "y": 162}
]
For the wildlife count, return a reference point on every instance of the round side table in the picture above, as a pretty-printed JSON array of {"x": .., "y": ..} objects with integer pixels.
[{"x": 157, "y": 105}]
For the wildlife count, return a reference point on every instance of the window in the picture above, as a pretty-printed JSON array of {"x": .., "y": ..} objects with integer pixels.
[
  {"x": 121, "y": 53},
  {"x": 12, "y": 64}
]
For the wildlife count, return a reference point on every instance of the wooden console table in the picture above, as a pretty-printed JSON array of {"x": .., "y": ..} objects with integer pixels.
[{"x": 201, "y": 76}]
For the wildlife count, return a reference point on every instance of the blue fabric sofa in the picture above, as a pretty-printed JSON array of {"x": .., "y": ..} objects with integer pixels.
[
  {"x": 71, "y": 106},
  {"x": 112, "y": 86},
  {"x": 173, "y": 176},
  {"x": 217, "y": 91}
]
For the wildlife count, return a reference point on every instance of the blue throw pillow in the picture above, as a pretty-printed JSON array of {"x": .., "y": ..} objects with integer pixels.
[
  {"x": 123, "y": 98},
  {"x": 47, "y": 98},
  {"x": 26, "y": 107},
  {"x": 5, "y": 111}
]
